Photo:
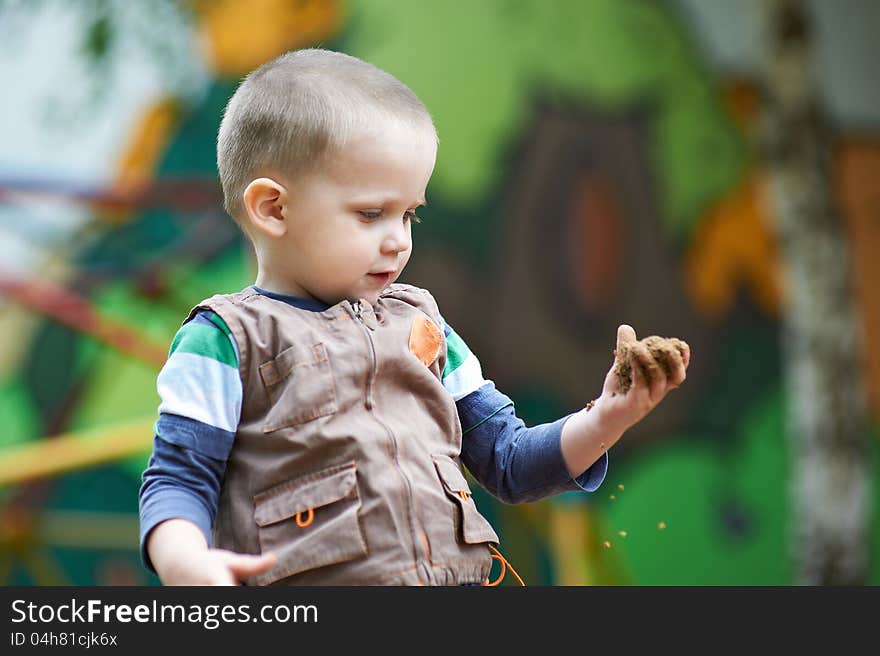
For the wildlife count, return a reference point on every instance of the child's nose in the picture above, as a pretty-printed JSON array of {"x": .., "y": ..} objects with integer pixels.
[{"x": 397, "y": 239}]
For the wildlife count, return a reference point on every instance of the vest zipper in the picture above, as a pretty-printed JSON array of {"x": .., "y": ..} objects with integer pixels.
[
  {"x": 374, "y": 368},
  {"x": 374, "y": 364}
]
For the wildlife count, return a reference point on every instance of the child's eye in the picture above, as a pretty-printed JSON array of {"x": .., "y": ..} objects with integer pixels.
[{"x": 372, "y": 215}]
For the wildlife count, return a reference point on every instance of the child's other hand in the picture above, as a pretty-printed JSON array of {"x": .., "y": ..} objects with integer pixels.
[
  {"x": 642, "y": 374},
  {"x": 220, "y": 567}
]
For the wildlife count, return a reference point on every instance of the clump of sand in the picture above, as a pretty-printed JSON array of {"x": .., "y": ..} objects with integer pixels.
[{"x": 662, "y": 350}]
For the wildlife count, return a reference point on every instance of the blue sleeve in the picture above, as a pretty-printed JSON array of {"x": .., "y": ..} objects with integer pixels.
[
  {"x": 513, "y": 462},
  {"x": 179, "y": 483}
]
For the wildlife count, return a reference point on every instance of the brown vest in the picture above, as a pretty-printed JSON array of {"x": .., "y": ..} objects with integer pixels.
[{"x": 346, "y": 460}]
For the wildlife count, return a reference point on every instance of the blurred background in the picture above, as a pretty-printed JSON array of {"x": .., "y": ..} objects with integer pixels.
[{"x": 699, "y": 168}]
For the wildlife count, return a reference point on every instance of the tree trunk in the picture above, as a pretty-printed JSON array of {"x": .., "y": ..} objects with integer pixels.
[{"x": 825, "y": 390}]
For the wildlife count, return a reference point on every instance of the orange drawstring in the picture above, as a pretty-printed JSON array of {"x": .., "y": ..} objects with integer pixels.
[
  {"x": 504, "y": 565},
  {"x": 501, "y": 575}
]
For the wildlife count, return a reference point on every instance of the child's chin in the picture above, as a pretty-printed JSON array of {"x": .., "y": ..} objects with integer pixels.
[{"x": 371, "y": 296}]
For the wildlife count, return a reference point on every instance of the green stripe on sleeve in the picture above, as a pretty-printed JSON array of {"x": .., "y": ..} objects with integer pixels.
[
  {"x": 204, "y": 340},
  {"x": 456, "y": 352},
  {"x": 217, "y": 321}
]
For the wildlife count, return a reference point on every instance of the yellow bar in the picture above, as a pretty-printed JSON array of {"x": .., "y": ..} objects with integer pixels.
[
  {"x": 51, "y": 456},
  {"x": 88, "y": 530}
]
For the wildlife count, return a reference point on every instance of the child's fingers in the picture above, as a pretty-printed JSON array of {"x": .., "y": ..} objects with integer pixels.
[
  {"x": 625, "y": 334},
  {"x": 249, "y": 565},
  {"x": 638, "y": 376},
  {"x": 684, "y": 350},
  {"x": 647, "y": 370},
  {"x": 657, "y": 362},
  {"x": 678, "y": 370},
  {"x": 619, "y": 378},
  {"x": 670, "y": 358}
]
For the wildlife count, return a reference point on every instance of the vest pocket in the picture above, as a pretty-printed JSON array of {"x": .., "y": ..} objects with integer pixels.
[
  {"x": 474, "y": 528},
  {"x": 310, "y": 522},
  {"x": 299, "y": 383}
]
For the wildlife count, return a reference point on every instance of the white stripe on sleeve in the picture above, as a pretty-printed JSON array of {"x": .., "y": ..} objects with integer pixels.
[
  {"x": 200, "y": 388},
  {"x": 467, "y": 378}
]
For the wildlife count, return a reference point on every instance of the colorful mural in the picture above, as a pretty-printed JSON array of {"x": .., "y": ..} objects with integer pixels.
[{"x": 592, "y": 170}]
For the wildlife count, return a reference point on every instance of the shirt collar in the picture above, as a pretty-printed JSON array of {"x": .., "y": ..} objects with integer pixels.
[{"x": 309, "y": 304}]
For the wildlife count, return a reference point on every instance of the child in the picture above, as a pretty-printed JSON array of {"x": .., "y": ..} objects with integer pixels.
[{"x": 313, "y": 426}]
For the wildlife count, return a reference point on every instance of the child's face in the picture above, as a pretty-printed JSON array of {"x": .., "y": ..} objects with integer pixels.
[{"x": 349, "y": 223}]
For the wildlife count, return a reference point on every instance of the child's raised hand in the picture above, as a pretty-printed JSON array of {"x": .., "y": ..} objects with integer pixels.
[{"x": 642, "y": 374}]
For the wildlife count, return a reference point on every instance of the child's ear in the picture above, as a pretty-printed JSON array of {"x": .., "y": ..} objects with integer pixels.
[{"x": 264, "y": 202}]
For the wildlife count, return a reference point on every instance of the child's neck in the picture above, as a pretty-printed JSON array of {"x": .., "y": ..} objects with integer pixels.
[{"x": 296, "y": 301}]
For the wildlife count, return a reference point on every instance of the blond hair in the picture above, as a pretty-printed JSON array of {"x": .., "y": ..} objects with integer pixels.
[{"x": 292, "y": 111}]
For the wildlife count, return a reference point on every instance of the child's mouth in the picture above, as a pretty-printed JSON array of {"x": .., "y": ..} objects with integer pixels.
[{"x": 381, "y": 278}]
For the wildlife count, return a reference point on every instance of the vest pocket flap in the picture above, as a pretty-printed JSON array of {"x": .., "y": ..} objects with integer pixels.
[
  {"x": 296, "y": 355},
  {"x": 453, "y": 480},
  {"x": 472, "y": 527},
  {"x": 299, "y": 385},
  {"x": 303, "y": 494}
]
